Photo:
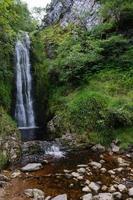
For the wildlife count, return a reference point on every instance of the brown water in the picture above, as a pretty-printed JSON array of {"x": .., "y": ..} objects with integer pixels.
[{"x": 51, "y": 179}]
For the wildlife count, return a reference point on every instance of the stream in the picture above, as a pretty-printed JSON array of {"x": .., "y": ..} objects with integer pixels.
[{"x": 70, "y": 173}]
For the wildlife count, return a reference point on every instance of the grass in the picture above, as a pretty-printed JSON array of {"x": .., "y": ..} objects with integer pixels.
[{"x": 100, "y": 109}]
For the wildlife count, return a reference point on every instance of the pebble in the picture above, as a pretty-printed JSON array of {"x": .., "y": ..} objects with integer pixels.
[
  {"x": 95, "y": 187},
  {"x": 86, "y": 189}
]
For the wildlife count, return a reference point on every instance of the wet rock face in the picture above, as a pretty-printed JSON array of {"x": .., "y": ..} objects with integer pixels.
[{"x": 81, "y": 12}]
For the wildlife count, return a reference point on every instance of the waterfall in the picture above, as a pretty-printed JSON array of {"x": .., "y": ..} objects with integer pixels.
[{"x": 24, "y": 112}]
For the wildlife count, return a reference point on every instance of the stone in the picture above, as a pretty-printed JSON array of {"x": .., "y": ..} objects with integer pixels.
[
  {"x": 36, "y": 194},
  {"x": 75, "y": 174},
  {"x": 103, "y": 170},
  {"x": 102, "y": 161},
  {"x": 81, "y": 170},
  {"x": 16, "y": 174},
  {"x": 103, "y": 196},
  {"x": 68, "y": 176},
  {"x": 111, "y": 172},
  {"x": 48, "y": 198},
  {"x": 86, "y": 189},
  {"x": 67, "y": 171},
  {"x": 130, "y": 192},
  {"x": 95, "y": 187},
  {"x": 99, "y": 148},
  {"x": 80, "y": 177},
  {"x": 115, "y": 148},
  {"x": 96, "y": 165},
  {"x": 122, "y": 188},
  {"x": 87, "y": 197},
  {"x": 82, "y": 166},
  {"x": 60, "y": 197},
  {"x": 120, "y": 169},
  {"x": 117, "y": 195},
  {"x": 32, "y": 167},
  {"x": 112, "y": 189},
  {"x": 104, "y": 188},
  {"x": 87, "y": 182},
  {"x": 122, "y": 162}
]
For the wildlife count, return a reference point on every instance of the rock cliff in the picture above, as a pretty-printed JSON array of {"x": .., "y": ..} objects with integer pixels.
[{"x": 80, "y": 12}]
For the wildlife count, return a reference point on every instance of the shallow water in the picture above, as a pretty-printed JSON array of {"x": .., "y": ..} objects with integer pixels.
[{"x": 52, "y": 180}]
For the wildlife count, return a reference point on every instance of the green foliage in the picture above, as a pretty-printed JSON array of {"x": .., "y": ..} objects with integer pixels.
[
  {"x": 7, "y": 125},
  {"x": 14, "y": 16},
  {"x": 103, "y": 105},
  {"x": 7, "y": 128},
  {"x": 3, "y": 160},
  {"x": 88, "y": 74}
]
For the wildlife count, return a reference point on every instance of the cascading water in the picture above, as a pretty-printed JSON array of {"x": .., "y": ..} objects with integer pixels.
[{"x": 24, "y": 112}]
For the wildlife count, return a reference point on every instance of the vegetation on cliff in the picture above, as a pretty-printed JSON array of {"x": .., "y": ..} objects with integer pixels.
[{"x": 88, "y": 74}]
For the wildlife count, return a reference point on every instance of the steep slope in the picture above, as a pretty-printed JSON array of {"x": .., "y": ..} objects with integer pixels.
[{"x": 83, "y": 12}]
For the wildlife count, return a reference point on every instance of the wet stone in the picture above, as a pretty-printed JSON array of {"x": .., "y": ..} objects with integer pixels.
[
  {"x": 32, "y": 167},
  {"x": 60, "y": 197}
]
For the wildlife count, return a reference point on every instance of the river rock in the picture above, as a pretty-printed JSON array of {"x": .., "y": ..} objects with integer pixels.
[
  {"x": 87, "y": 197},
  {"x": 86, "y": 189},
  {"x": 95, "y": 165},
  {"x": 122, "y": 162},
  {"x": 99, "y": 148},
  {"x": 103, "y": 196},
  {"x": 35, "y": 193},
  {"x": 94, "y": 186},
  {"x": 112, "y": 189},
  {"x": 104, "y": 188},
  {"x": 81, "y": 170},
  {"x": 117, "y": 195},
  {"x": 75, "y": 174},
  {"x": 60, "y": 197},
  {"x": 122, "y": 188},
  {"x": 32, "y": 167},
  {"x": 115, "y": 148},
  {"x": 130, "y": 192},
  {"x": 82, "y": 166},
  {"x": 103, "y": 170}
]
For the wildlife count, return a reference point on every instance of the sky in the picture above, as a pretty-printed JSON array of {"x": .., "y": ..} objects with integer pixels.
[{"x": 37, "y": 3}]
